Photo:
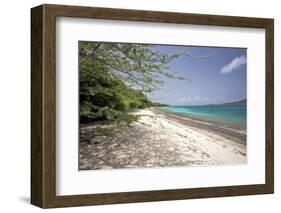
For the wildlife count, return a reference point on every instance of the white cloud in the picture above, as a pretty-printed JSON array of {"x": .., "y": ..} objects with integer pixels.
[
  {"x": 183, "y": 100},
  {"x": 234, "y": 64},
  {"x": 197, "y": 98},
  {"x": 194, "y": 99},
  {"x": 220, "y": 98}
]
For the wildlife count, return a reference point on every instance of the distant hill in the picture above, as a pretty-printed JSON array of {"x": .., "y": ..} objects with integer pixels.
[
  {"x": 154, "y": 104},
  {"x": 241, "y": 102}
]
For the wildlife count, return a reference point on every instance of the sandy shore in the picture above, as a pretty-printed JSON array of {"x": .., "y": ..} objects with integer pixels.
[{"x": 160, "y": 139}]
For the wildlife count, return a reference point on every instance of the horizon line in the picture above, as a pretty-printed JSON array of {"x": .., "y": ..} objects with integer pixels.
[{"x": 228, "y": 102}]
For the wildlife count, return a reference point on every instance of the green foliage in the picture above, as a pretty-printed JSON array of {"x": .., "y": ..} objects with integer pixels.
[
  {"x": 114, "y": 78},
  {"x": 139, "y": 65},
  {"x": 108, "y": 99}
]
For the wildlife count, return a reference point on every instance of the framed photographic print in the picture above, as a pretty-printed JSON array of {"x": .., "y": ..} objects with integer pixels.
[{"x": 136, "y": 106}]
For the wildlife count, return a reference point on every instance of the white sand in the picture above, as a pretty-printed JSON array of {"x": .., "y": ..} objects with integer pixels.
[
  {"x": 157, "y": 140},
  {"x": 218, "y": 149}
]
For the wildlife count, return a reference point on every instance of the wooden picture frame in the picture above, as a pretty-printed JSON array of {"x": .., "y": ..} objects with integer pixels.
[{"x": 43, "y": 105}]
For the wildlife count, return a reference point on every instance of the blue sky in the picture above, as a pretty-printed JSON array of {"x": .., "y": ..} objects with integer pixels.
[{"x": 219, "y": 78}]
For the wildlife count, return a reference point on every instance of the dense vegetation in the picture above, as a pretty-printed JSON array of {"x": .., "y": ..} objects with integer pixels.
[{"x": 114, "y": 79}]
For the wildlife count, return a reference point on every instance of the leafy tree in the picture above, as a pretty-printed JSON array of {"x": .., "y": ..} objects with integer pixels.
[
  {"x": 139, "y": 65},
  {"x": 115, "y": 76}
]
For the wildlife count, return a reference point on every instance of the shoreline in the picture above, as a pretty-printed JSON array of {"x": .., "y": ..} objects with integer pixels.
[
  {"x": 221, "y": 122},
  {"x": 238, "y": 135},
  {"x": 159, "y": 139}
]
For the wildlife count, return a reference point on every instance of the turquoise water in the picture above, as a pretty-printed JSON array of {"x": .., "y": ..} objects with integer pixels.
[{"x": 217, "y": 113}]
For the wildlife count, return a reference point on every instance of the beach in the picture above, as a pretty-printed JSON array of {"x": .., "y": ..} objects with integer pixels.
[{"x": 161, "y": 139}]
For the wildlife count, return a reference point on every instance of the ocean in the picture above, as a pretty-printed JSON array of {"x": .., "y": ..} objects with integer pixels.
[{"x": 233, "y": 115}]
